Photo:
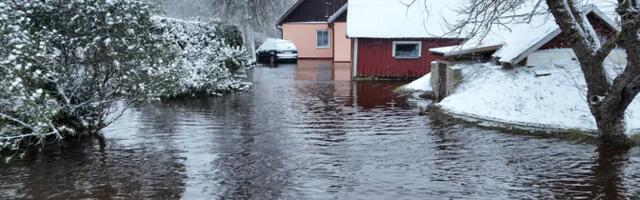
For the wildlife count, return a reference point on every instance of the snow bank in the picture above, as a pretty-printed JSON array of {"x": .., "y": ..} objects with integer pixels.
[
  {"x": 422, "y": 84},
  {"x": 549, "y": 97}
]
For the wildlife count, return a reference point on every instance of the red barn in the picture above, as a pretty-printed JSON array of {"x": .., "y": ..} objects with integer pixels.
[{"x": 392, "y": 40}]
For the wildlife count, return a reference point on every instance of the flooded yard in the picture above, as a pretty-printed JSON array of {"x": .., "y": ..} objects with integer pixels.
[{"x": 307, "y": 132}]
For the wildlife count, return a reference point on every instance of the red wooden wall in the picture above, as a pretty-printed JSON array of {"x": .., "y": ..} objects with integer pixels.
[
  {"x": 602, "y": 29},
  {"x": 375, "y": 58}
]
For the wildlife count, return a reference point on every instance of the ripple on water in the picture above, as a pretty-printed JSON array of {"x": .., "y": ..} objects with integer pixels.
[{"x": 294, "y": 138}]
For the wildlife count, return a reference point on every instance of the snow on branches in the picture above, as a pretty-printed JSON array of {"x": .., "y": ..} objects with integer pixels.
[
  {"x": 208, "y": 65},
  {"x": 64, "y": 64}
]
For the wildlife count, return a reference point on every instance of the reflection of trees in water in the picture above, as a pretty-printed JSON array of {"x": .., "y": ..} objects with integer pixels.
[
  {"x": 249, "y": 163},
  {"x": 608, "y": 173},
  {"x": 81, "y": 170},
  {"x": 535, "y": 167}
]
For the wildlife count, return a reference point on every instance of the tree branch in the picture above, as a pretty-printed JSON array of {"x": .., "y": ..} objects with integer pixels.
[{"x": 13, "y": 119}]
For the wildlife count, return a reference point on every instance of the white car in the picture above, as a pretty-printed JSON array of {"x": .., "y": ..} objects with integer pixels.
[{"x": 276, "y": 50}]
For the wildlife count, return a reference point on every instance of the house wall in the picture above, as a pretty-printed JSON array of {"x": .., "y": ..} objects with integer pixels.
[
  {"x": 375, "y": 59},
  {"x": 303, "y": 35},
  {"x": 342, "y": 44}
]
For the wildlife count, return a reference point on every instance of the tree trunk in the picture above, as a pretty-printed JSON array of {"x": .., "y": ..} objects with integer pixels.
[
  {"x": 607, "y": 106},
  {"x": 607, "y": 100},
  {"x": 611, "y": 125}
]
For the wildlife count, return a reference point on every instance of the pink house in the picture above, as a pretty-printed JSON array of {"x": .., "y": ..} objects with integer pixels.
[
  {"x": 318, "y": 28},
  {"x": 383, "y": 38}
]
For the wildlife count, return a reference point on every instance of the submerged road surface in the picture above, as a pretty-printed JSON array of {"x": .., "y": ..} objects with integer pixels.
[{"x": 307, "y": 132}]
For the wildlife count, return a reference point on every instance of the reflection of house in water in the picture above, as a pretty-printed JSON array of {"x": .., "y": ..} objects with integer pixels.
[
  {"x": 376, "y": 94},
  {"x": 322, "y": 70},
  {"x": 365, "y": 94}
]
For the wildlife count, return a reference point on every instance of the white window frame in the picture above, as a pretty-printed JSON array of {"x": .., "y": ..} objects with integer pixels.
[
  {"x": 328, "y": 39},
  {"x": 395, "y": 43}
]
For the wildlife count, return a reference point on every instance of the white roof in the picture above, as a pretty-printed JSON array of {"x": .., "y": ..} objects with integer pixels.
[
  {"x": 516, "y": 40},
  {"x": 398, "y": 19}
]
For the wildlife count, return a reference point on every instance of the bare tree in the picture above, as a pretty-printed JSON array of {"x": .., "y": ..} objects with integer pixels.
[
  {"x": 254, "y": 16},
  {"x": 608, "y": 99}
]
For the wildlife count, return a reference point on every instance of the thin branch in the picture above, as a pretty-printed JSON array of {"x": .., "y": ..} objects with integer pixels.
[{"x": 13, "y": 119}]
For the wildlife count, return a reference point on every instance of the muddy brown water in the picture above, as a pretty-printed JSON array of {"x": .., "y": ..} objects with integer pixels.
[{"x": 306, "y": 132}]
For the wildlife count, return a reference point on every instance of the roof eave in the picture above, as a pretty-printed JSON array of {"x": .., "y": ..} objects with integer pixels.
[
  {"x": 534, "y": 47},
  {"x": 286, "y": 14}
]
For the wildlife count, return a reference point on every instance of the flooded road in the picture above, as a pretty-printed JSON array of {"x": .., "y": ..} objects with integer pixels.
[{"x": 306, "y": 132}]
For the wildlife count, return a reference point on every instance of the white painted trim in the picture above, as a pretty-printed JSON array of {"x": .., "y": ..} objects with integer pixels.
[
  {"x": 335, "y": 16},
  {"x": 328, "y": 39},
  {"x": 354, "y": 62},
  {"x": 393, "y": 50}
]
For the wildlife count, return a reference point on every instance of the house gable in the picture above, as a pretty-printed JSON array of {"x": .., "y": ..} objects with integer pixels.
[
  {"x": 311, "y": 11},
  {"x": 601, "y": 26}
]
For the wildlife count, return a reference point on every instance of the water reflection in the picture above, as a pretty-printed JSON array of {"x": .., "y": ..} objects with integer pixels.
[
  {"x": 304, "y": 133},
  {"x": 608, "y": 172},
  {"x": 323, "y": 70}
]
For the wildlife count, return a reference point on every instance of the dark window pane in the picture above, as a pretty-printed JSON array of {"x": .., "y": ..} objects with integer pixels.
[
  {"x": 407, "y": 50},
  {"x": 322, "y": 39}
]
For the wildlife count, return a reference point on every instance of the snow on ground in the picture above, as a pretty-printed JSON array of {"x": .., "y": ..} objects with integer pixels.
[
  {"x": 519, "y": 98},
  {"x": 422, "y": 84}
]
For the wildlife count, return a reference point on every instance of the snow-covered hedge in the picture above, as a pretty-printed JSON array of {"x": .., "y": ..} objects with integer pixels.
[
  {"x": 208, "y": 64},
  {"x": 64, "y": 64}
]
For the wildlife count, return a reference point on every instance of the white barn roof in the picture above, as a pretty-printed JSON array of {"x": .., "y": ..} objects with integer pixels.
[{"x": 398, "y": 19}]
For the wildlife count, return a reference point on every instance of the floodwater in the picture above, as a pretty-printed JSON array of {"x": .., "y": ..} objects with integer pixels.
[{"x": 306, "y": 132}]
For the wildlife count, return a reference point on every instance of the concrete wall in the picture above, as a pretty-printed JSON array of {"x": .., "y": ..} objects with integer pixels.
[
  {"x": 444, "y": 79},
  {"x": 342, "y": 48},
  {"x": 303, "y": 35}
]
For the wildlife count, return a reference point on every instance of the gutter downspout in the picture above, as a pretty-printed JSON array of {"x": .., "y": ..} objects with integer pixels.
[{"x": 354, "y": 57}]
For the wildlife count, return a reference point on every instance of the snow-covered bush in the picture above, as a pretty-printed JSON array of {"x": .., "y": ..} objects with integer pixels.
[
  {"x": 70, "y": 67},
  {"x": 208, "y": 64},
  {"x": 63, "y": 64}
]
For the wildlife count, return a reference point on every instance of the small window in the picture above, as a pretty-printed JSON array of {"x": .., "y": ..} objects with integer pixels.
[
  {"x": 407, "y": 50},
  {"x": 322, "y": 39}
]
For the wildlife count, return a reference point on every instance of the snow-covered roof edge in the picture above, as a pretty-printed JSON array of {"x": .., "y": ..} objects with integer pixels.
[
  {"x": 591, "y": 9},
  {"x": 604, "y": 17},
  {"x": 286, "y": 14},
  {"x": 335, "y": 16},
  {"x": 462, "y": 49}
]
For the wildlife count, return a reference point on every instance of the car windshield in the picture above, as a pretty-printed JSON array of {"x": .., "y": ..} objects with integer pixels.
[
  {"x": 276, "y": 44},
  {"x": 286, "y": 46}
]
